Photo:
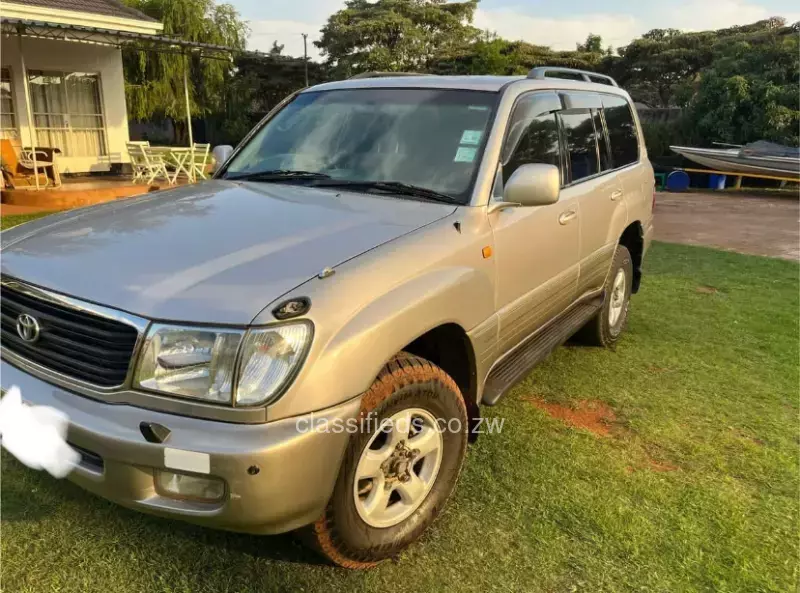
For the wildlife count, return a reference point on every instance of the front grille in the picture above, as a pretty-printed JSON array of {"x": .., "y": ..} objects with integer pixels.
[{"x": 75, "y": 343}]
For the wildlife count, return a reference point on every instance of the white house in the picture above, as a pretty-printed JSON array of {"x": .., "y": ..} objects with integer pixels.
[{"x": 62, "y": 83}]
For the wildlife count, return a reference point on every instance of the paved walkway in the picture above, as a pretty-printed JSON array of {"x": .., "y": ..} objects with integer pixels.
[
  {"x": 12, "y": 209},
  {"x": 758, "y": 225}
]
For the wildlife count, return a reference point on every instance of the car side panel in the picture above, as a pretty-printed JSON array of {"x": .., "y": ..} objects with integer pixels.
[
  {"x": 358, "y": 330},
  {"x": 638, "y": 184},
  {"x": 537, "y": 267},
  {"x": 603, "y": 218}
]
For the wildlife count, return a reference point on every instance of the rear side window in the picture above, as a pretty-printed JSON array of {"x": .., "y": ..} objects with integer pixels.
[
  {"x": 581, "y": 143},
  {"x": 622, "y": 132},
  {"x": 602, "y": 144},
  {"x": 537, "y": 144}
]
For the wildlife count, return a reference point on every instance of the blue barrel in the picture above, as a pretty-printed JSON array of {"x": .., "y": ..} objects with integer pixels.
[
  {"x": 716, "y": 181},
  {"x": 678, "y": 181}
]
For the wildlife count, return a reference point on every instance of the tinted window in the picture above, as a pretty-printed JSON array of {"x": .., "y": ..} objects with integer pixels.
[
  {"x": 621, "y": 131},
  {"x": 581, "y": 143},
  {"x": 605, "y": 156},
  {"x": 537, "y": 144}
]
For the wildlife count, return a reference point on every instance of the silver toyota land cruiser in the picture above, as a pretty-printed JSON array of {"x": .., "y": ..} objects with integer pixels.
[{"x": 304, "y": 341}]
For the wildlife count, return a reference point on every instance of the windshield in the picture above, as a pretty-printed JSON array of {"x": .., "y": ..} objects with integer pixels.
[{"x": 429, "y": 138}]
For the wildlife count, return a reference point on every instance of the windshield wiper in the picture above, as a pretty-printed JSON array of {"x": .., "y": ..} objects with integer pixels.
[
  {"x": 396, "y": 187},
  {"x": 277, "y": 175}
]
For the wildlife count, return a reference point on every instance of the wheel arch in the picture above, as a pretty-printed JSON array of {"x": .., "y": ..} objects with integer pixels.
[
  {"x": 449, "y": 347},
  {"x": 633, "y": 239}
]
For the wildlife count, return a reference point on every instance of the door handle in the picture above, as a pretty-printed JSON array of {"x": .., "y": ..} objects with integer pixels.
[
  {"x": 566, "y": 216},
  {"x": 616, "y": 195}
]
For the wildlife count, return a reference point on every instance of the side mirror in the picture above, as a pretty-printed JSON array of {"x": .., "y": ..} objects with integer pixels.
[
  {"x": 221, "y": 154},
  {"x": 533, "y": 185}
]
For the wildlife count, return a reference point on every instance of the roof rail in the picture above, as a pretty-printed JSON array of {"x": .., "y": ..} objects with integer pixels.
[
  {"x": 385, "y": 75},
  {"x": 541, "y": 72}
]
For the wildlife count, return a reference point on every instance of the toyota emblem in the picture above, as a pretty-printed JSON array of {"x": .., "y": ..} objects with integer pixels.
[{"x": 28, "y": 328}]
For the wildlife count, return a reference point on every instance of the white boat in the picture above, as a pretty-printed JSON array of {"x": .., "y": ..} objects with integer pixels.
[{"x": 758, "y": 158}]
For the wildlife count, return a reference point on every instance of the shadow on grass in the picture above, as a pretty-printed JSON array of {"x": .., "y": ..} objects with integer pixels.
[
  {"x": 33, "y": 496},
  {"x": 21, "y": 502}
]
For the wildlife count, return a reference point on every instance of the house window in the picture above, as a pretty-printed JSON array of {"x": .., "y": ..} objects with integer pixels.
[
  {"x": 8, "y": 118},
  {"x": 68, "y": 112}
]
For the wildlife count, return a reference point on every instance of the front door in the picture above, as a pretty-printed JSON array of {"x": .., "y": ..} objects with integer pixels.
[{"x": 536, "y": 248}]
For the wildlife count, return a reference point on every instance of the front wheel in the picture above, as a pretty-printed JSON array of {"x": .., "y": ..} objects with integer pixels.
[
  {"x": 605, "y": 328},
  {"x": 399, "y": 469}
]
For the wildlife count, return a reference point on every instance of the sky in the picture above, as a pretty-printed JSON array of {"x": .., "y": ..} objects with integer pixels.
[{"x": 559, "y": 24}]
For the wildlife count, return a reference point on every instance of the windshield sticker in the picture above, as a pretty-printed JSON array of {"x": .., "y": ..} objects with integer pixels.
[
  {"x": 478, "y": 108},
  {"x": 465, "y": 154},
  {"x": 471, "y": 137}
]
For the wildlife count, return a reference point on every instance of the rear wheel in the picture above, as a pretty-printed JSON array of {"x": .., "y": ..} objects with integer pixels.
[
  {"x": 399, "y": 469},
  {"x": 605, "y": 328}
]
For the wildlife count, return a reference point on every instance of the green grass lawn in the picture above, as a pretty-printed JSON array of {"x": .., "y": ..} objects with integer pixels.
[
  {"x": 695, "y": 488},
  {"x": 6, "y": 222}
]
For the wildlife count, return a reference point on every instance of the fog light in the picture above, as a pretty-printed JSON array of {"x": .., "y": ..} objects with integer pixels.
[{"x": 188, "y": 486}]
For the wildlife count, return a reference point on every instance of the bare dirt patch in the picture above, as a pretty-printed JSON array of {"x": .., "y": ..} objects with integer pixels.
[
  {"x": 706, "y": 289},
  {"x": 660, "y": 466},
  {"x": 757, "y": 225},
  {"x": 599, "y": 418},
  {"x": 594, "y": 416}
]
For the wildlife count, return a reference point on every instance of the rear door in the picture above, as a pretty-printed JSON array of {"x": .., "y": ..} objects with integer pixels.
[
  {"x": 594, "y": 185},
  {"x": 628, "y": 158}
]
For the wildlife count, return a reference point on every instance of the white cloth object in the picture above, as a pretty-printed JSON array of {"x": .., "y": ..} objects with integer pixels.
[{"x": 36, "y": 435}]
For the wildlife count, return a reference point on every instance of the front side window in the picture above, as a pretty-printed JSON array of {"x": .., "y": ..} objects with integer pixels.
[
  {"x": 539, "y": 143},
  {"x": 430, "y": 138},
  {"x": 8, "y": 117},
  {"x": 581, "y": 143},
  {"x": 622, "y": 132}
]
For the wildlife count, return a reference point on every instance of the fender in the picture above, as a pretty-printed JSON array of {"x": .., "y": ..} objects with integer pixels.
[
  {"x": 364, "y": 314},
  {"x": 386, "y": 325}
]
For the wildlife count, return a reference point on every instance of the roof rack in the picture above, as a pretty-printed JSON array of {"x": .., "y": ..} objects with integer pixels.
[
  {"x": 385, "y": 75},
  {"x": 541, "y": 73}
]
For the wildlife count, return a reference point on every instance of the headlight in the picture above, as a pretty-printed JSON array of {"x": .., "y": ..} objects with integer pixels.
[
  {"x": 270, "y": 356},
  {"x": 190, "y": 362},
  {"x": 201, "y": 363}
]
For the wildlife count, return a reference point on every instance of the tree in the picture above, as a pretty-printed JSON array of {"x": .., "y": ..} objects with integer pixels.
[
  {"x": 490, "y": 54},
  {"x": 654, "y": 66},
  {"x": 394, "y": 35},
  {"x": 259, "y": 83},
  {"x": 276, "y": 49},
  {"x": 751, "y": 90},
  {"x": 593, "y": 44},
  {"x": 661, "y": 67},
  {"x": 154, "y": 81}
]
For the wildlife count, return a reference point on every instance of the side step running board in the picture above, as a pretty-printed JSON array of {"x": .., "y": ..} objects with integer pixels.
[{"x": 515, "y": 367}]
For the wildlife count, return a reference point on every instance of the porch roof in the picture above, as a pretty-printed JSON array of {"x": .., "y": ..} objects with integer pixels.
[
  {"x": 121, "y": 39},
  {"x": 21, "y": 27},
  {"x": 105, "y": 7}
]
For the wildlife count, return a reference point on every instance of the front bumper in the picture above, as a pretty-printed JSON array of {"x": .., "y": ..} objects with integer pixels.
[{"x": 296, "y": 474}]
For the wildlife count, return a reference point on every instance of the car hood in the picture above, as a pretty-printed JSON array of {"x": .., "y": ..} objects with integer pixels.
[{"x": 217, "y": 252}]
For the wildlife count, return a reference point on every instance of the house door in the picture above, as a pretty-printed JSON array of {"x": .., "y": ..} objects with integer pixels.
[{"x": 68, "y": 112}]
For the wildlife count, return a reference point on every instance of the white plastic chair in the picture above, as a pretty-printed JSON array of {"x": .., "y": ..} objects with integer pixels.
[
  {"x": 147, "y": 166},
  {"x": 200, "y": 159}
]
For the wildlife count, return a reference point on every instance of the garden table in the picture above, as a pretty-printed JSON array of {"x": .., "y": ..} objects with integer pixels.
[{"x": 178, "y": 157}]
